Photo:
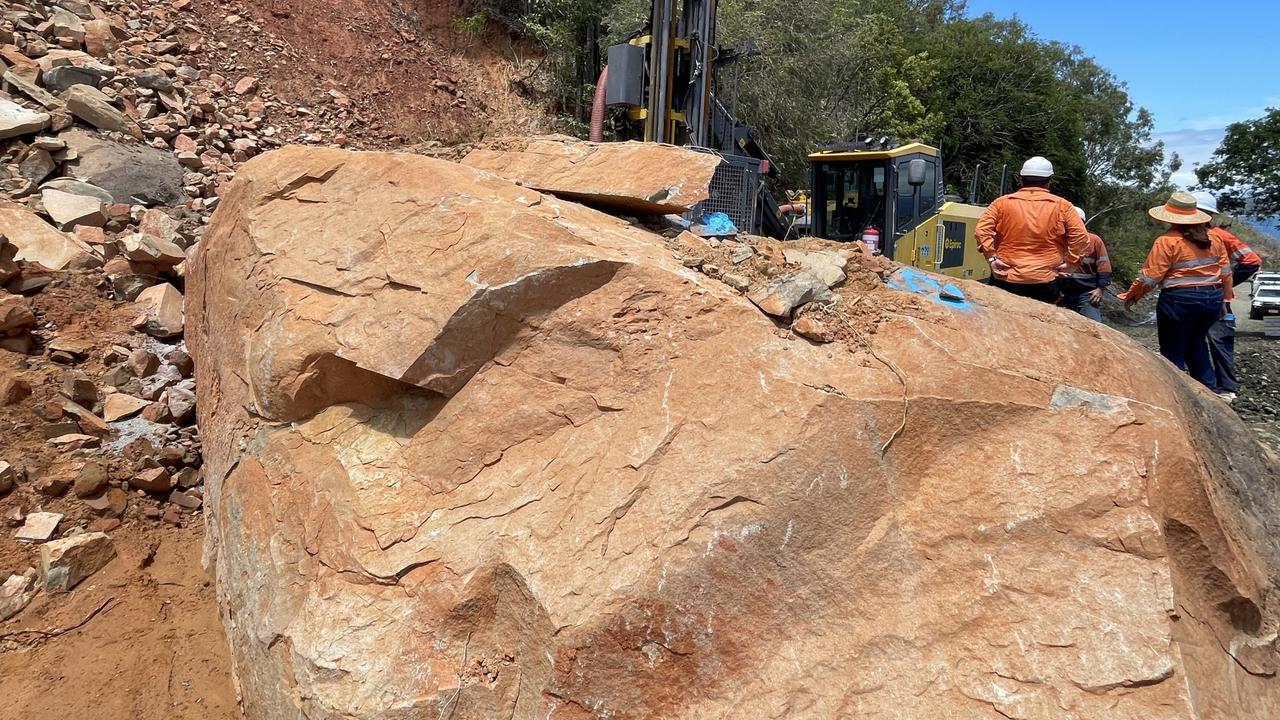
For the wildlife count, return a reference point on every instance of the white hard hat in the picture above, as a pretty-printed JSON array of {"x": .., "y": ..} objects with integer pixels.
[
  {"x": 1080, "y": 212},
  {"x": 1037, "y": 167},
  {"x": 1206, "y": 202}
]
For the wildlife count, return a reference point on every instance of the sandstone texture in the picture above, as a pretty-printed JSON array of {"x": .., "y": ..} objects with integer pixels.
[
  {"x": 38, "y": 241},
  {"x": 630, "y": 177},
  {"x": 473, "y": 452}
]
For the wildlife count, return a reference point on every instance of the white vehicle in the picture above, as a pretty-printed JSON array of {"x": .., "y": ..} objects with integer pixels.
[
  {"x": 1263, "y": 279},
  {"x": 1266, "y": 300}
]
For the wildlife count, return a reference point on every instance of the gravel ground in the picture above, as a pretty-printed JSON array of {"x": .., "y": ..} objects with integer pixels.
[{"x": 1257, "y": 361}]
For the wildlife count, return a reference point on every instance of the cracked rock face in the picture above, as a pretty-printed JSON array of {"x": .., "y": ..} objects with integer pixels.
[
  {"x": 475, "y": 452},
  {"x": 624, "y": 177}
]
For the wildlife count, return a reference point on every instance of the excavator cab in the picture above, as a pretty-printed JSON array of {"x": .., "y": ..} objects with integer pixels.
[{"x": 897, "y": 191}]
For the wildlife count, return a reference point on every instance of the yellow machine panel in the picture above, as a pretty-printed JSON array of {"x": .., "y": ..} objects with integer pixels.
[{"x": 946, "y": 243}]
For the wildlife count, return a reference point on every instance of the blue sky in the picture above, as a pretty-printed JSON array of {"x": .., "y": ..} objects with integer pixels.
[{"x": 1197, "y": 66}]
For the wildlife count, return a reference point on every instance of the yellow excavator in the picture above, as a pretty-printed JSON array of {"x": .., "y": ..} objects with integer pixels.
[{"x": 890, "y": 196}]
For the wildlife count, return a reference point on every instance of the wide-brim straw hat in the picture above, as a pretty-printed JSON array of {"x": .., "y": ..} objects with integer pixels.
[{"x": 1180, "y": 209}]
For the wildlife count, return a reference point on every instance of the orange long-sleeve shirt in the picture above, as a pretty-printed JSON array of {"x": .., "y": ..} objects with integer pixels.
[
  {"x": 1034, "y": 231},
  {"x": 1237, "y": 252},
  {"x": 1175, "y": 261},
  {"x": 1094, "y": 269}
]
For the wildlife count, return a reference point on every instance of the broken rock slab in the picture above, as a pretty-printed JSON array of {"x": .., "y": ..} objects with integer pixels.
[
  {"x": 68, "y": 562},
  {"x": 561, "y": 451},
  {"x": 76, "y": 187},
  {"x": 27, "y": 86},
  {"x": 783, "y": 295},
  {"x": 625, "y": 177},
  {"x": 16, "y": 592},
  {"x": 61, "y": 78},
  {"x": 162, "y": 307},
  {"x": 92, "y": 106},
  {"x": 131, "y": 173},
  {"x": 119, "y": 406},
  {"x": 15, "y": 312},
  {"x": 39, "y": 242},
  {"x": 827, "y": 265},
  {"x": 37, "y": 165},
  {"x": 68, "y": 210},
  {"x": 38, "y": 527},
  {"x": 140, "y": 247},
  {"x": 16, "y": 120}
]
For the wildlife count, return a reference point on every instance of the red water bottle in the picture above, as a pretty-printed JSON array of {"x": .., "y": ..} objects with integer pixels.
[{"x": 871, "y": 238}]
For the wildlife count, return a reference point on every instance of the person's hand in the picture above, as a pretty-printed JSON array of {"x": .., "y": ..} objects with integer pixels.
[
  {"x": 1128, "y": 301},
  {"x": 999, "y": 266},
  {"x": 1095, "y": 297},
  {"x": 1063, "y": 269}
]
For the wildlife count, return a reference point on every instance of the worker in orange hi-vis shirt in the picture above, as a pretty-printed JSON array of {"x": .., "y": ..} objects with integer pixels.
[
  {"x": 1245, "y": 263},
  {"x": 1031, "y": 236},
  {"x": 1190, "y": 267},
  {"x": 1084, "y": 283}
]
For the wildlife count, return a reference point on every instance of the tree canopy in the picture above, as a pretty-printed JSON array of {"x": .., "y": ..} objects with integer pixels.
[{"x": 1245, "y": 169}]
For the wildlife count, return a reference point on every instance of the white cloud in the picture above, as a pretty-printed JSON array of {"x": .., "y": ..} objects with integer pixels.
[
  {"x": 1194, "y": 146},
  {"x": 1196, "y": 142}
]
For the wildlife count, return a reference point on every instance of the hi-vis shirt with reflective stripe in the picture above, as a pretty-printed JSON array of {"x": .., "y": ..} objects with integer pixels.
[
  {"x": 1094, "y": 269},
  {"x": 1175, "y": 262},
  {"x": 1034, "y": 231},
  {"x": 1237, "y": 252}
]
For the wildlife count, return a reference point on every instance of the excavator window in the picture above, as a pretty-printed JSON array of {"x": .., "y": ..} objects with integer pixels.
[
  {"x": 915, "y": 203},
  {"x": 852, "y": 198}
]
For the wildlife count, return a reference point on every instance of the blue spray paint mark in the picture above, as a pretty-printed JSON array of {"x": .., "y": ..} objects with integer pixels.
[{"x": 913, "y": 281}]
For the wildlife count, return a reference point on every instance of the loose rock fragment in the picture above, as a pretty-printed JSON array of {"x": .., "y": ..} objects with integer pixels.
[
  {"x": 155, "y": 480},
  {"x": 91, "y": 480},
  {"x": 16, "y": 120},
  {"x": 38, "y": 527},
  {"x": 68, "y": 562},
  {"x": 813, "y": 329},
  {"x": 162, "y": 307},
  {"x": 140, "y": 247},
  {"x": 110, "y": 503},
  {"x": 15, "y": 312},
  {"x": 788, "y": 292},
  {"x": 119, "y": 406},
  {"x": 91, "y": 105},
  {"x": 16, "y": 593},
  {"x": 69, "y": 210},
  {"x": 38, "y": 241},
  {"x": 8, "y": 478}
]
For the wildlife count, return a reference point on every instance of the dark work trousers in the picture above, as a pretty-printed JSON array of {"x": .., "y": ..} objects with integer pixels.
[
  {"x": 1044, "y": 292},
  {"x": 1222, "y": 339},
  {"x": 1222, "y": 353},
  {"x": 1075, "y": 296},
  {"x": 1183, "y": 318}
]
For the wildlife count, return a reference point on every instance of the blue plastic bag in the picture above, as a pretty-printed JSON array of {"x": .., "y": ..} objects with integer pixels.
[{"x": 716, "y": 224}]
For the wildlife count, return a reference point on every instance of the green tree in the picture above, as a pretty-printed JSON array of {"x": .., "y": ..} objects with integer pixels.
[
  {"x": 1245, "y": 169},
  {"x": 828, "y": 70},
  {"x": 1002, "y": 96}
]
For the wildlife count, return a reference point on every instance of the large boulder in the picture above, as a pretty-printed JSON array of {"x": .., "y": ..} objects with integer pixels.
[
  {"x": 473, "y": 452},
  {"x": 629, "y": 177}
]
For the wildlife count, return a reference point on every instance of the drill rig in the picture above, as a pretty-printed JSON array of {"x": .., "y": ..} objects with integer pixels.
[{"x": 665, "y": 81}]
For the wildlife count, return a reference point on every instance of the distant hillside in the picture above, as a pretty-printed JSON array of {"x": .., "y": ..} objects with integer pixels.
[{"x": 1263, "y": 237}]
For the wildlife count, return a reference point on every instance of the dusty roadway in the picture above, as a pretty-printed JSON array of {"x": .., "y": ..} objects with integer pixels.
[{"x": 1258, "y": 367}]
